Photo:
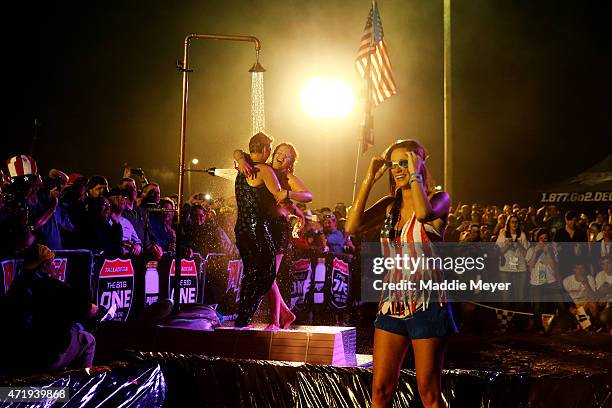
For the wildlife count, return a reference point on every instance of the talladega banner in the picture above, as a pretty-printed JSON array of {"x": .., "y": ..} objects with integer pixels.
[
  {"x": 189, "y": 281},
  {"x": 116, "y": 286},
  {"x": 151, "y": 294},
  {"x": 301, "y": 279},
  {"x": 71, "y": 266},
  {"x": 339, "y": 288},
  {"x": 9, "y": 269}
]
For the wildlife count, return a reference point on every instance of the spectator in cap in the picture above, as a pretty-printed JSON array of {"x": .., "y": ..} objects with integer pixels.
[
  {"x": 24, "y": 183},
  {"x": 74, "y": 177},
  {"x": 97, "y": 186},
  {"x": 335, "y": 238},
  {"x": 41, "y": 312},
  {"x": 22, "y": 168},
  {"x": 40, "y": 204}
]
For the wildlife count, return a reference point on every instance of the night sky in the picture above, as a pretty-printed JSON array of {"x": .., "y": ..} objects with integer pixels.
[{"x": 531, "y": 88}]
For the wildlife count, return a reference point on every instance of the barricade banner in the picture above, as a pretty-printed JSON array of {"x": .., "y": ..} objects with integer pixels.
[
  {"x": 320, "y": 280},
  {"x": 300, "y": 271},
  {"x": 222, "y": 283},
  {"x": 234, "y": 277},
  {"x": 339, "y": 288},
  {"x": 75, "y": 267},
  {"x": 10, "y": 268},
  {"x": 151, "y": 285},
  {"x": 60, "y": 268},
  {"x": 331, "y": 283},
  {"x": 189, "y": 281},
  {"x": 116, "y": 286},
  {"x": 315, "y": 282}
]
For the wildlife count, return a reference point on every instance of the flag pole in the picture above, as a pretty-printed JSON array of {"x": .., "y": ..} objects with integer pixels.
[
  {"x": 448, "y": 128},
  {"x": 367, "y": 120},
  {"x": 356, "y": 168},
  {"x": 365, "y": 127}
]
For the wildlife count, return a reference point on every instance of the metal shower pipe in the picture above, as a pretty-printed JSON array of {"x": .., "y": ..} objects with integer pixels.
[{"x": 184, "y": 68}]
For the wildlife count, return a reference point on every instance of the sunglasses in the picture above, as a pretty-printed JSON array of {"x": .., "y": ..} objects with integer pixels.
[
  {"x": 329, "y": 216},
  {"x": 402, "y": 163}
]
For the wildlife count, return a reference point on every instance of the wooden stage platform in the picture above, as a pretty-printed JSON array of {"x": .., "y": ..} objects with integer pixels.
[
  {"x": 307, "y": 344},
  {"x": 304, "y": 344}
]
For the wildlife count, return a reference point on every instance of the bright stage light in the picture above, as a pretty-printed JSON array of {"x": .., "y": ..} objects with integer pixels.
[
  {"x": 194, "y": 161},
  {"x": 207, "y": 197},
  {"x": 327, "y": 98}
]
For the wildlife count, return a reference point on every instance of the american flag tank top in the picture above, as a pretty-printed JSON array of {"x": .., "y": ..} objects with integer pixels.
[{"x": 414, "y": 241}]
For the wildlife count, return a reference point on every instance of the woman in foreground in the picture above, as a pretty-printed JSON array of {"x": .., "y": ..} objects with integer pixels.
[{"x": 412, "y": 216}]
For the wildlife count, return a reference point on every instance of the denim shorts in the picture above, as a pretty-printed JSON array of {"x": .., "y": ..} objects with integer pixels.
[{"x": 435, "y": 321}]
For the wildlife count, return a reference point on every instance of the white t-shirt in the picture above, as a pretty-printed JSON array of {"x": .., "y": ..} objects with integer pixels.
[
  {"x": 601, "y": 279},
  {"x": 576, "y": 289},
  {"x": 515, "y": 258},
  {"x": 542, "y": 272}
]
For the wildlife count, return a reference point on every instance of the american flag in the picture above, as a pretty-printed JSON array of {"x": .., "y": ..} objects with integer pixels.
[{"x": 372, "y": 49}]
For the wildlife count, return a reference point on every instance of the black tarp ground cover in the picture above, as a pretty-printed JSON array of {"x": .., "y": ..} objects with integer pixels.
[{"x": 186, "y": 380}]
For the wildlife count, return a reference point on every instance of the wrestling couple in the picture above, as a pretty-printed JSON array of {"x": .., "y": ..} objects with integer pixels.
[{"x": 265, "y": 192}]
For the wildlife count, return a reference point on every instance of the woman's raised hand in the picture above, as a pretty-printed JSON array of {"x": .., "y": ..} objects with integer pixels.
[
  {"x": 414, "y": 163},
  {"x": 376, "y": 169},
  {"x": 245, "y": 168}
]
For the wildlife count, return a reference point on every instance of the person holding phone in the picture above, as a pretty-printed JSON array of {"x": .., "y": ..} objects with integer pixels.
[{"x": 513, "y": 245}]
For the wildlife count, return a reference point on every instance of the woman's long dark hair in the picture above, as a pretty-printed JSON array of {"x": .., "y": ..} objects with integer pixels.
[
  {"x": 413, "y": 146},
  {"x": 293, "y": 152},
  {"x": 428, "y": 180},
  {"x": 395, "y": 213},
  {"x": 518, "y": 228},
  {"x": 539, "y": 232}
]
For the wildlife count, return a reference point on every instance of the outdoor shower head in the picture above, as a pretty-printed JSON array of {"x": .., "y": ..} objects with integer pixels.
[{"x": 257, "y": 67}]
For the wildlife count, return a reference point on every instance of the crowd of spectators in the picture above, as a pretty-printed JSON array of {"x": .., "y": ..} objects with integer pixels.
[
  {"x": 543, "y": 252},
  {"x": 75, "y": 212},
  {"x": 321, "y": 230},
  {"x": 39, "y": 215},
  {"x": 132, "y": 218}
]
